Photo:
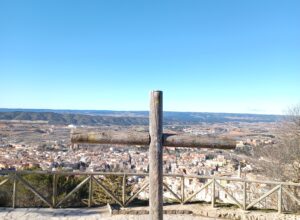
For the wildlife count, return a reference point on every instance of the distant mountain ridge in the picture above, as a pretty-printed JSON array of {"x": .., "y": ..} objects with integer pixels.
[{"x": 109, "y": 117}]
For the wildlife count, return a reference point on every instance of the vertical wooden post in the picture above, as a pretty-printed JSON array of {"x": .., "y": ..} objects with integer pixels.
[
  {"x": 213, "y": 193},
  {"x": 182, "y": 189},
  {"x": 124, "y": 189},
  {"x": 14, "y": 196},
  {"x": 155, "y": 156},
  {"x": 54, "y": 184},
  {"x": 279, "y": 199},
  {"x": 90, "y": 191},
  {"x": 245, "y": 195}
]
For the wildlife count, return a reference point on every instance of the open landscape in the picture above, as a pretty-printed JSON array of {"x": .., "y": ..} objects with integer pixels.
[
  {"x": 149, "y": 110},
  {"x": 42, "y": 139}
]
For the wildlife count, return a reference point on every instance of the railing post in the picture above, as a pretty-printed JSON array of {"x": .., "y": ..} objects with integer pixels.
[
  {"x": 90, "y": 191},
  {"x": 245, "y": 195},
  {"x": 14, "y": 196},
  {"x": 54, "y": 196},
  {"x": 213, "y": 192},
  {"x": 182, "y": 190},
  {"x": 124, "y": 189},
  {"x": 279, "y": 199},
  {"x": 156, "y": 156}
]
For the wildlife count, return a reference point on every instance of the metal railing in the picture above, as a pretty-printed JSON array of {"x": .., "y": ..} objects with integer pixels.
[{"x": 211, "y": 184}]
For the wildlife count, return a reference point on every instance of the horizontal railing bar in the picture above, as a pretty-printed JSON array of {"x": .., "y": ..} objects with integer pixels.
[
  {"x": 10, "y": 173},
  {"x": 71, "y": 173},
  {"x": 273, "y": 182},
  {"x": 6, "y": 172}
]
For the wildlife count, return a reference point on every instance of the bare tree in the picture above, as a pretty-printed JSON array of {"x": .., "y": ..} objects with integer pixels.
[{"x": 281, "y": 161}]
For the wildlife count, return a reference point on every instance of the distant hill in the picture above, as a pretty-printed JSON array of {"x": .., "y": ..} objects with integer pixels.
[
  {"x": 77, "y": 119},
  {"x": 107, "y": 117}
]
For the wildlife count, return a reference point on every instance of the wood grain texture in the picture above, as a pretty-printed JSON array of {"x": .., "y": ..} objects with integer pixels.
[
  {"x": 143, "y": 138},
  {"x": 156, "y": 156},
  {"x": 112, "y": 137}
]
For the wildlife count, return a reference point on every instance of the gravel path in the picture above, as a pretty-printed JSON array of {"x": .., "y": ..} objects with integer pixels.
[{"x": 78, "y": 214}]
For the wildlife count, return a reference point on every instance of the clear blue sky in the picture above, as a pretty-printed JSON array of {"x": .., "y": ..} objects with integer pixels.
[{"x": 206, "y": 55}]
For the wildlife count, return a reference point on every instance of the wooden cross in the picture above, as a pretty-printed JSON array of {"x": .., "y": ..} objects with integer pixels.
[{"x": 156, "y": 139}]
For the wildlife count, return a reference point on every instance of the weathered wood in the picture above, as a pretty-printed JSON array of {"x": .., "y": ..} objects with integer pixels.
[
  {"x": 244, "y": 195},
  {"x": 184, "y": 140},
  {"x": 112, "y": 137},
  {"x": 195, "y": 193},
  {"x": 72, "y": 173},
  {"x": 142, "y": 138},
  {"x": 107, "y": 191},
  {"x": 124, "y": 189},
  {"x": 90, "y": 201},
  {"x": 182, "y": 190},
  {"x": 172, "y": 192},
  {"x": 73, "y": 191},
  {"x": 213, "y": 192},
  {"x": 229, "y": 194},
  {"x": 11, "y": 173},
  {"x": 14, "y": 195},
  {"x": 263, "y": 196},
  {"x": 28, "y": 186},
  {"x": 137, "y": 193},
  {"x": 3, "y": 182},
  {"x": 156, "y": 156},
  {"x": 54, "y": 185},
  {"x": 293, "y": 197},
  {"x": 279, "y": 199}
]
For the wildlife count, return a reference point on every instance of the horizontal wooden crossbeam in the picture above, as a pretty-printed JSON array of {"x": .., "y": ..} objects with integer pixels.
[
  {"x": 155, "y": 139},
  {"x": 143, "y": 138}
]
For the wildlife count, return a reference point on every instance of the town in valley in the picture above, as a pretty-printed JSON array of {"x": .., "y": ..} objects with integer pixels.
[{"x": 40, "y": 145}]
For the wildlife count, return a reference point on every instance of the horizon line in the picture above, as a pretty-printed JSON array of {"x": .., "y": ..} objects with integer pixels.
[{"x": 213, "y": 112}]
